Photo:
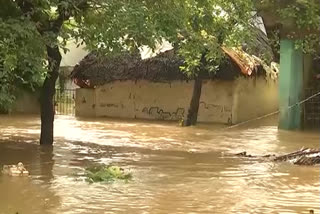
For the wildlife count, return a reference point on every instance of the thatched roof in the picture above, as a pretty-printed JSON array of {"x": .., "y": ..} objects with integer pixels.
[{"x": 95, "y": 70}]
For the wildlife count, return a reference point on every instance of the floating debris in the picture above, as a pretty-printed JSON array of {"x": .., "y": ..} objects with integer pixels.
[
  {"x": 15, "y": 170},
  {"x": 106, "y": 173},
  {"x": 304, "y": 156}
]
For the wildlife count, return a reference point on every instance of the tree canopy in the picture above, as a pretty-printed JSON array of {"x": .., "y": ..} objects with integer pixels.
[
  {"x": 292, "y": 19},
  {"x": 111, "y": 26},
  {"x": 32, "y": 33},
  {"x": 22, "y": 57}
]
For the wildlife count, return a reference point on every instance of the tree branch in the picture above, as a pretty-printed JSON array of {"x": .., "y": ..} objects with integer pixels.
[{"x": 26, "y": 7}]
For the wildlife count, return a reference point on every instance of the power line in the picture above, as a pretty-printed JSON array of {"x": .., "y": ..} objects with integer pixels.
[{"x": 272, "y": 113}]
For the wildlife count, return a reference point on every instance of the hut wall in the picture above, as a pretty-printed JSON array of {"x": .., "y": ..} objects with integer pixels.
[
  {"x": 254, "y": 97},
  {"x": 115, "y": 100},
  {"x": 85, "y": 102},
  {"x": 216, "y": 102},
  {"x": 164, "y": 101},
  {"x": 144, "y": 100},
  {"x": 227, "y": 102}
]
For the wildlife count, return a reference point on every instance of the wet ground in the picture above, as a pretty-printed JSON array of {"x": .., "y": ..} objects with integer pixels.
[{"x": 175, "y": 169}]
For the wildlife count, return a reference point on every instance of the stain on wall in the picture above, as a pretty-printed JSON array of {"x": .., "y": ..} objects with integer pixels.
[
  {"x": 160, "y": 114},
  {"x": 227, "y": 102},
  {"x": 143, "y": 100},
  {"x": 113, "y": 100},
  {"x": 85, "y": 102},
  {"x": 216, "y": 102}
]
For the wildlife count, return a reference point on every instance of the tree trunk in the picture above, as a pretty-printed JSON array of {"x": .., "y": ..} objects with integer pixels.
[
  {"x": 47, "y": 95},
  {"x": 194, "y": 104},
  {"x": 46, "y": 162}
]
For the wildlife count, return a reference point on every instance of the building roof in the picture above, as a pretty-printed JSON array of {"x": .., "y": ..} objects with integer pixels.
[{"x": 96, "y": 70}]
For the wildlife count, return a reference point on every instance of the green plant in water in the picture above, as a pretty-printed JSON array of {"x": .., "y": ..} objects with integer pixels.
[{"x": 106, "y": 173}]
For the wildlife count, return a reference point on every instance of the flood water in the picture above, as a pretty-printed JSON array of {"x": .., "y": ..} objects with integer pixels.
[{"x": 175, "y": 169}]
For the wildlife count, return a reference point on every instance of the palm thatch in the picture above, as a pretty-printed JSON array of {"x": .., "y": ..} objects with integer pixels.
[{"x": 95, "y": 69}]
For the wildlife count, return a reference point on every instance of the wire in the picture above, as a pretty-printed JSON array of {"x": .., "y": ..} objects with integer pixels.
[{"x": 272, "y": 113}]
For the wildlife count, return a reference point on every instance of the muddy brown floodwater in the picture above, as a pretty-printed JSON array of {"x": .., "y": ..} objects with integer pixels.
[{"x": 175, "y": 170}]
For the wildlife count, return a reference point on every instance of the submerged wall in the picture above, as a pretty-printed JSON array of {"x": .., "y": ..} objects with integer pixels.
[
  {"x": 27, "y": 103},
  {"x": 216, "y": 102},
  {"x": 226, "y": 102},
  {"x": 254, "y": 97},
  {"x": 136, "y": 99},
  {"x": 85, "y": 102}
]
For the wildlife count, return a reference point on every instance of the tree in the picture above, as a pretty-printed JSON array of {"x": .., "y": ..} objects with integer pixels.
[
  {"x": 198, "y": 28},
  {"x": 292, "y": 19},
  {"x": 21, "y": 56}
]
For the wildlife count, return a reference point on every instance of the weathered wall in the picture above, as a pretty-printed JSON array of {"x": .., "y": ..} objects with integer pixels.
[
  {"x": 85, "y": 102},
  {"x": 115, "y": 100},
  {"x": 168, "y": 101},
  {"x": 254, "y": 97},
  {"x": 227, "y": 102},
  {"x": 144, "y": 100},
  {"x": 216, "y": 102},
  {"x": 27, "y": 103}
]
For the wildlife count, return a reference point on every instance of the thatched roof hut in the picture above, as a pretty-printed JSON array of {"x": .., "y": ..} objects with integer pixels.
[{"x": 95, "y": 70}]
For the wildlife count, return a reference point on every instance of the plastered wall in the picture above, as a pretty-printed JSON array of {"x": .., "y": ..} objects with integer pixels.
[
  {"x": 227, "y": 102},
  {"x": 85, "y": 102},
  {"x": 216, "y": 102},
  {"x": 27, "y": 103},
  {"x": 144, "y": 100},
  {"x": 254, "y": 97}
]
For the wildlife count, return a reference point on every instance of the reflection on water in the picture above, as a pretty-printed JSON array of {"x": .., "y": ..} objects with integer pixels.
[{"x": 175, "y": 170}]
